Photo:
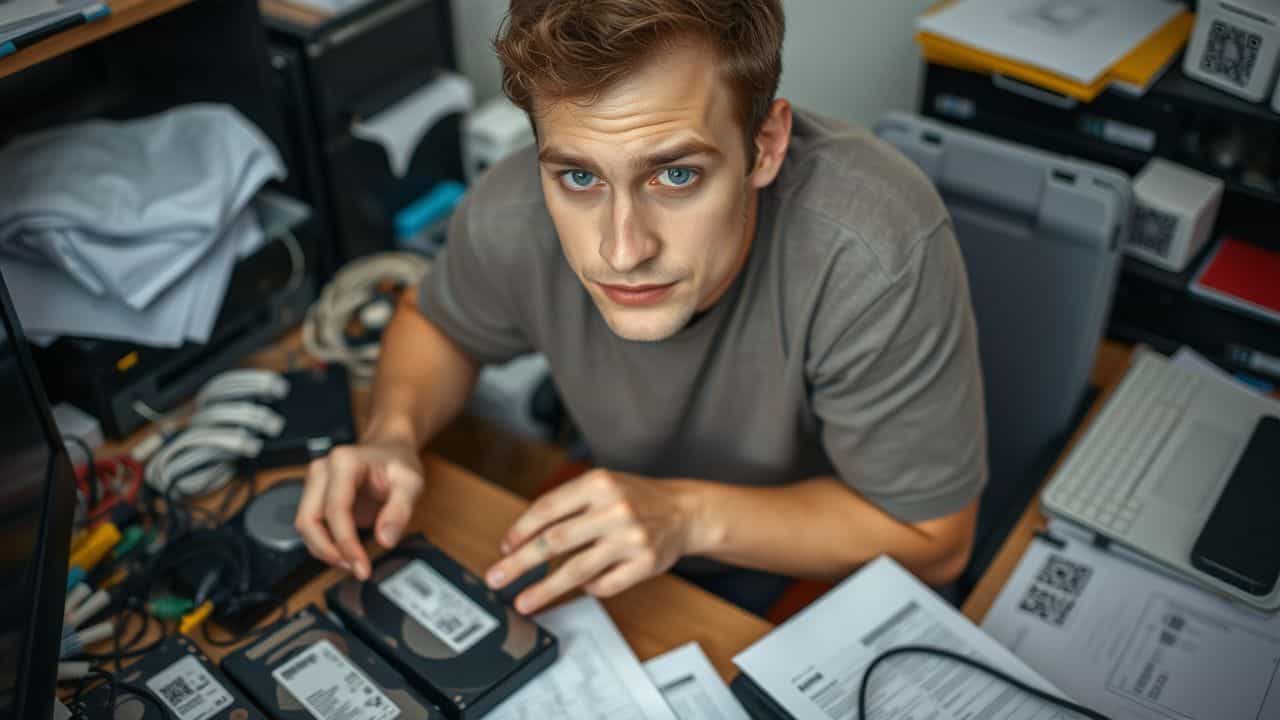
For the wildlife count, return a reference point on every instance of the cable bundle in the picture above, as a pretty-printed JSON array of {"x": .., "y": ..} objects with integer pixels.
[
  {"x": 345, "y": 324},
  {"x": 227, "y": 426}
]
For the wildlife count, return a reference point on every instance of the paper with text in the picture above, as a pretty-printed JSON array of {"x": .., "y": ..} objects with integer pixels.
[
  {"x": 597, "y": 677},
  {"x": 1136, "y": 644},
  {"x": 692, "y": 687},
  {"x": 813, "y": 665}
]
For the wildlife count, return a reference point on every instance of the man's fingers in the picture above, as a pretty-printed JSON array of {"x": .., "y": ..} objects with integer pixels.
[
  {"x": 309, "y": 520},
  {"x": 566, "y": 500},
  {"x": 617, "y": 579},
  {"x": 562, "y": 537},
  {"x": 346, "y": 473},
  {"x": 403, "y": 487},
  {"x": 576, "y": 572}
]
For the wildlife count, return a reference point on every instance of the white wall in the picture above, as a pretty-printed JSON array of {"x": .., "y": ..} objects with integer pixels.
[{"x": 853, "y": 59}]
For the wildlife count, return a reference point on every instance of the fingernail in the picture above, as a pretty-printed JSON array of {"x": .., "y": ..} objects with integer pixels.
[
  {"x": 390, "y": 535},
  {"x": 345, "y": 566},
  {"x": 524, "y": 605},
  {"x": 496, "y": 578},
  {"x": 505, "y": 547},
  {"x": 362, "y": 571}
]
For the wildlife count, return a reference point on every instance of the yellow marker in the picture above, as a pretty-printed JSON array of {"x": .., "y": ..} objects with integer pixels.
[
  {"x": 127, "y": 361},
  {"x": 78, "y": 538},
  {"x": 195, "y": 618},
  {"x": 95, "y": 547}
]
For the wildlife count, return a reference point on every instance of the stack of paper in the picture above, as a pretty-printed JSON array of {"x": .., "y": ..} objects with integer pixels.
[
  {"x": 1076, "y": 48},
  {"x": 1135, "y": 643},
  {"x": 23, "y": 21},
  {"x": 130, "y": 231},
  {"x": 812, "y": 667},
  {"x": 596, "y": 676}
]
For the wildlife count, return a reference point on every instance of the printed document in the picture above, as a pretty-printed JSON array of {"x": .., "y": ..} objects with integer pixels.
[
  {"x": 692, "y": 687},
  {"x": 1078, "y": 39},
  {"x": 597, "y": 677},
  {"x": 1133, "y": 643},
  {"x": 814, "y": 664}
]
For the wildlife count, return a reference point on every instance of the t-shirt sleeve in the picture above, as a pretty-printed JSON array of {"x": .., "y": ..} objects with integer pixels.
[
  {"x": 896, "y": 382},
  {"x": 465, "y": 293}
]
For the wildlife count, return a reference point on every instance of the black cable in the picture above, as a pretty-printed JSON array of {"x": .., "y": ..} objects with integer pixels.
[
  {"x": 278, "y": 601},
  {"x": 115, "y": 685},
  {"x": 976, "y": 665},
  {"x": 91, "y": 473}
]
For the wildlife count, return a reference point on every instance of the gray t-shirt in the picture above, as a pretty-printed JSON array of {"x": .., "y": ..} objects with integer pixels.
[{"x": 846, "y": 346}]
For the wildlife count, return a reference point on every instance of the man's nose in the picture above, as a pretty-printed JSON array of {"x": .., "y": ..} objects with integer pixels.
[{"x": 627, "y": 242}]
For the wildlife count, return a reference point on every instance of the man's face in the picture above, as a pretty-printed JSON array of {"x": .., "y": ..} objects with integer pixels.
[{"x": 649, "y": 191}]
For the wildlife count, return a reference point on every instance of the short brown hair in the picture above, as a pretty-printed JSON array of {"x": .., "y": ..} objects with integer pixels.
[{"x": 577, "y": 49}]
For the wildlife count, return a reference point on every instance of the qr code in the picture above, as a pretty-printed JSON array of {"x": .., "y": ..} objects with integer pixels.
[
  {"x": 1153, "y": 230},
  {"x": 1231, "y": 52},
  {"x": 1057, "y": 587},
  {"x": 1062, "y": 574},
  {"x": 1053, "y": 609},
  {"x": 177, "y": 691}
]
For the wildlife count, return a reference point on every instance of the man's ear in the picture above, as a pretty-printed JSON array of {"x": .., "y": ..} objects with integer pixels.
[{"x": 771, "y": 143}]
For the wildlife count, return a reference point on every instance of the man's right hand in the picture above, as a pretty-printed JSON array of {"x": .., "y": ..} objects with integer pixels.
[{"x": 356, "y": 486}]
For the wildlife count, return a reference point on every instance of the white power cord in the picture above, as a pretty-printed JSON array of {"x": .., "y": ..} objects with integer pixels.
[
  {"x": 353, "y": 291},
  {"x": 228, "y": 425}
]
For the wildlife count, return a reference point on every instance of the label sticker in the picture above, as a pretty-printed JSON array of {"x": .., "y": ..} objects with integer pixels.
[
  {"x": 438, "y": 606},
  {"x": 190, "y": 691},
  {"x": 331, "y": 688}
]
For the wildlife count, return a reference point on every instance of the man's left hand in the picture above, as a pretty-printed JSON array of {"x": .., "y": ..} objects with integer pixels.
[{"x": 612, "y": 529}]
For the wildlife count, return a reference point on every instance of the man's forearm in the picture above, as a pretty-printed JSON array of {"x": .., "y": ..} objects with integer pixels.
[
  {"x": 818, "y": 529},
  {"x": 422, "y": 381}
]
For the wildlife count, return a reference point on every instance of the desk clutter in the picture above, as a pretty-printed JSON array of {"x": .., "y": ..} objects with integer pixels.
[{"x": 130, "y": 230}]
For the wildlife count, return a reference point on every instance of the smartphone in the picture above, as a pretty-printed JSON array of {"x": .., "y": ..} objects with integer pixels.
[{"x": 1240, "y": 542}]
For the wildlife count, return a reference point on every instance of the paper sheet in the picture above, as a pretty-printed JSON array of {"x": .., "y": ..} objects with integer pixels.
[
  {"x": 1079, "y": 39},
  {"x": 399, "y": 128},
  {"x": 813, "y": 665},
  {"x": 597, "y": 677},
  {"x": 1136, "y": 644},
  {"x": 692, "y": 687}
]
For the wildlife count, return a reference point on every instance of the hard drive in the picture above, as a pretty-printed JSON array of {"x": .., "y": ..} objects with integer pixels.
[
  {"x": 306, "y": 667},
  {"x": 178, "y": 676},
  {"x": 451, "y": 637}
]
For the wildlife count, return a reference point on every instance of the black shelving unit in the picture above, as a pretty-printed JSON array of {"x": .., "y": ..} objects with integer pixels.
[{"x": 1177, "y": 119}]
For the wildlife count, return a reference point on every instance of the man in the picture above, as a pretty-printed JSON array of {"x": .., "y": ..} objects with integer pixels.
[{"x": 758, "y": 319}]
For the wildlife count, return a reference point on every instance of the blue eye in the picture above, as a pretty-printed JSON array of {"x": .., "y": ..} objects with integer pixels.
[
  {"x": 578, "y": 179},
  {"x": 677, "y": 176}
]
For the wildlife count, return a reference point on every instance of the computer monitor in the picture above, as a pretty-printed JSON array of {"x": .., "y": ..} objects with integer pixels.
[{"x": 37, "y": 508}]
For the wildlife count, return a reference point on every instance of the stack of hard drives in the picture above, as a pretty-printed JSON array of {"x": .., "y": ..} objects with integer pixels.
[{"x": 422, "y": 639}]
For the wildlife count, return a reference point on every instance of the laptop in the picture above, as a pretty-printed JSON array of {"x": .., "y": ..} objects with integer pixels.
[{"x": 1148, "y": 471}]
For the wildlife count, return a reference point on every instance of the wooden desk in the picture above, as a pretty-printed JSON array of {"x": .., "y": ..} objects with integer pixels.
[
  {"x": 467, "y": 516},
  {"x": 1113, "y": 360}
]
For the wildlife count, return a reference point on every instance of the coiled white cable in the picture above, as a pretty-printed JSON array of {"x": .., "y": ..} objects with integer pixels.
[{"x": 349, "y": 292}]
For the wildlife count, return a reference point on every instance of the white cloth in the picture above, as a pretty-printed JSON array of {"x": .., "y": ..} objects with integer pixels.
[
  {"x": 49, "y": 303},
  {"x": 127, "y": 208}
]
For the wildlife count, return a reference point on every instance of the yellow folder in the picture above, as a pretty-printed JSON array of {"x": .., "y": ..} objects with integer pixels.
[{"x": 1139, "y": 67}]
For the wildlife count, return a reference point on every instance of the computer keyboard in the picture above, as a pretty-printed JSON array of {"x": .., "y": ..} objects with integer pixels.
[{"x": 1097, "y": 483}]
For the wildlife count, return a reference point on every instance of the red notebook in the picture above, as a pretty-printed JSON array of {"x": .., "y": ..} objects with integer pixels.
[{"x": 1243, "y": 276}]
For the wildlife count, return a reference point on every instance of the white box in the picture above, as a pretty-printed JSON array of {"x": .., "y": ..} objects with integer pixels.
[
  {"x": 1174, "y": 211},
  {"x": 494, "y": 131},
  {"x": 1235, "y": 46}
]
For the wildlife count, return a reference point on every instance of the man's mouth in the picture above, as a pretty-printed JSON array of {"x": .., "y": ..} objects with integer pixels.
[{"x": 637, "y": 295}]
